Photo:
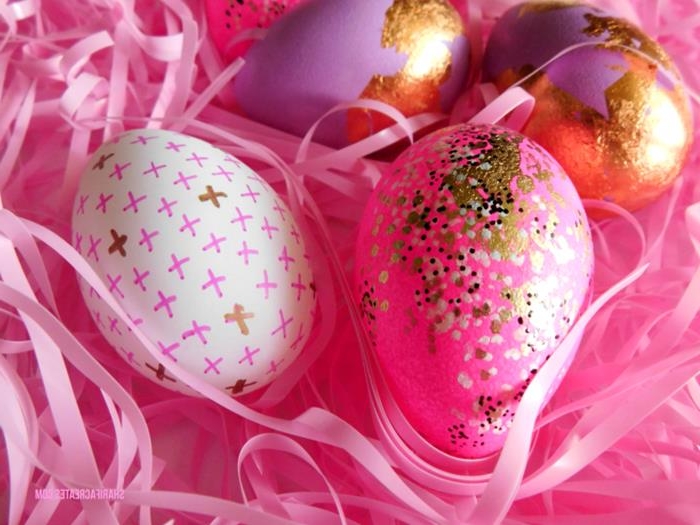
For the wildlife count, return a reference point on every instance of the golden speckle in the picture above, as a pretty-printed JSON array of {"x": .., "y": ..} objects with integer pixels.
[
  {"x": 383, "y": 277},
  {"x": 481, "y": 312},
  {"x": 384, "y": 306},
  {"x": 525, "y": 184}
]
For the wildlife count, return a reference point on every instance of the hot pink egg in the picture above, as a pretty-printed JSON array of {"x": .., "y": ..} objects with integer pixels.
[
  {"x": 474, "y": 258},
  {"x": 228, "y": 18}
]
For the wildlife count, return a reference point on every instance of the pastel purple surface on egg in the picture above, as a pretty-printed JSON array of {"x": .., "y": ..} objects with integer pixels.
[
  {"x": 327, "y": 52},
  {"x": 530, "y": 34},
  {"x": 514, "y": 41}
]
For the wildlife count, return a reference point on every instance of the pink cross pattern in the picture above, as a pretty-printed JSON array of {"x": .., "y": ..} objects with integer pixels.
[
  {"x": 214, "y": 281},
  {"x": 140, "y": 277},
  {"x": 168, "y": 350},
  {"x": 78, "y": 242},
  {"x": 215, "y": 243},
  {"x": 119, "y": 170},
  {"x": 196, "y": 158},
  {"x": 129, "y": 356},
  {"x": 164, "y": 302},
  {"x": 174, "y": 147},
  {"x": 98, "y": 318},
  {"x": 114, "y": 285},
  {"x": 92, "y": 250},
  {"x": 223, "y": 173},
  {"x": 114, "y": 324},
  {"x": 183, "y": 179},
  {"x": 211, "y": 365},
  {"x": 233, "y": 160},
  {"x": 268, "y": 228},
  {"x": 252, "y": 194},
  {"x": 300, "y": 336},
  {"x": 146, "y": 238},
  {"x": 254, "y": 176},
  {"x": 136, "y": 321},
  {"x": 154, "y": 169},
  {"x": 104, "y": 199},
  {"x": 166, "y": 206},
  {"x": 141, "y": 140},
  {"x": 294, "y": 234},
  {"x": 266, "y": 284},
  {"x": 246, "y": 252},
  {"x": 198, "y": 331},
  {"x": 283, "y": 325},
  {"x": 93, "y": 293},
  {"x": 248, "y": 355},
  {"x": 189, "y": 224},
  {"x": 279, "y": 210},
  {"x": 177, "y": 265},
  {"x": 273, "y": 367},
  {"x": 81, "y": 204},
  {"x": 299, "y": 286},
  {"x": 133, "y": 202},
  {"x": 285, "y": 258},
  {"x": 241, "y": 218}
]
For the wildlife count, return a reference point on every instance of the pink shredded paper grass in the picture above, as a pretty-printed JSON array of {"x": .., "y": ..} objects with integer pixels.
[{"x": 619, "y": 442}]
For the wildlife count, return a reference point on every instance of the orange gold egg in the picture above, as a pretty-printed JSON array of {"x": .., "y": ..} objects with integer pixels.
[{"x": 613, "y": 113}]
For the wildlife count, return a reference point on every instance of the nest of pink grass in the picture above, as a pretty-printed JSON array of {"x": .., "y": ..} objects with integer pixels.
[{"x": 620, "y": 439}]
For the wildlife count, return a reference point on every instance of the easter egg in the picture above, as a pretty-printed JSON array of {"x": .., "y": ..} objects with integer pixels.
[
  {"x": 612, "y": 111},
  {"x": 228, "y": 18},
  {"x": 411, "y": 54},
  {"x": 201, "y": 253},
  {"x": 473, "y": 260}
]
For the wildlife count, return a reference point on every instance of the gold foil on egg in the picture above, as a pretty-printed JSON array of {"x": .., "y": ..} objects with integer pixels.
[
  {"x": 419, "y": 29},
  {"x": 634, "y": 154},
  {"x": 545, "y": 6},
  {"x": 620, "y": 32},
  {"x": 503, "y": 162},
  {"x": 630, "y": 157}
]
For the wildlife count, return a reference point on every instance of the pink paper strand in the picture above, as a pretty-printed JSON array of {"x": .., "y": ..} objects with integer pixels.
[{"x": 617, "y": 442}]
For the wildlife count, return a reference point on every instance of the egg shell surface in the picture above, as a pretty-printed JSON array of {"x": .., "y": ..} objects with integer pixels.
[
  {"x": 409, "y": 53},
  {"x": 228, "y": 18},
  {"x": 202, "y": 254},
  {"x": 613, "y": 113},
  {"x": 473, "y": 259}
]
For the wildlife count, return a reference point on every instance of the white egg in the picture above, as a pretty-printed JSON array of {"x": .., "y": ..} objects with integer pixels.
[{"x": 203, "y": 255}]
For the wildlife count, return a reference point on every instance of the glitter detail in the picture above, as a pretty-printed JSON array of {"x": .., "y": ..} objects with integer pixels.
[{"x": 472, "y": 222}]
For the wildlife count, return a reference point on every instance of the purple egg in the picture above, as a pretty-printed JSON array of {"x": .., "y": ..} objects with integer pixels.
[
  {"x": 512, "y": 46},
  {"x": 330, "y": 51}
]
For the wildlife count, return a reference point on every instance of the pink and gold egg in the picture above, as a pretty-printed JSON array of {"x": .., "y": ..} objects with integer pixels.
[{"x": 474, "y": 258}]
